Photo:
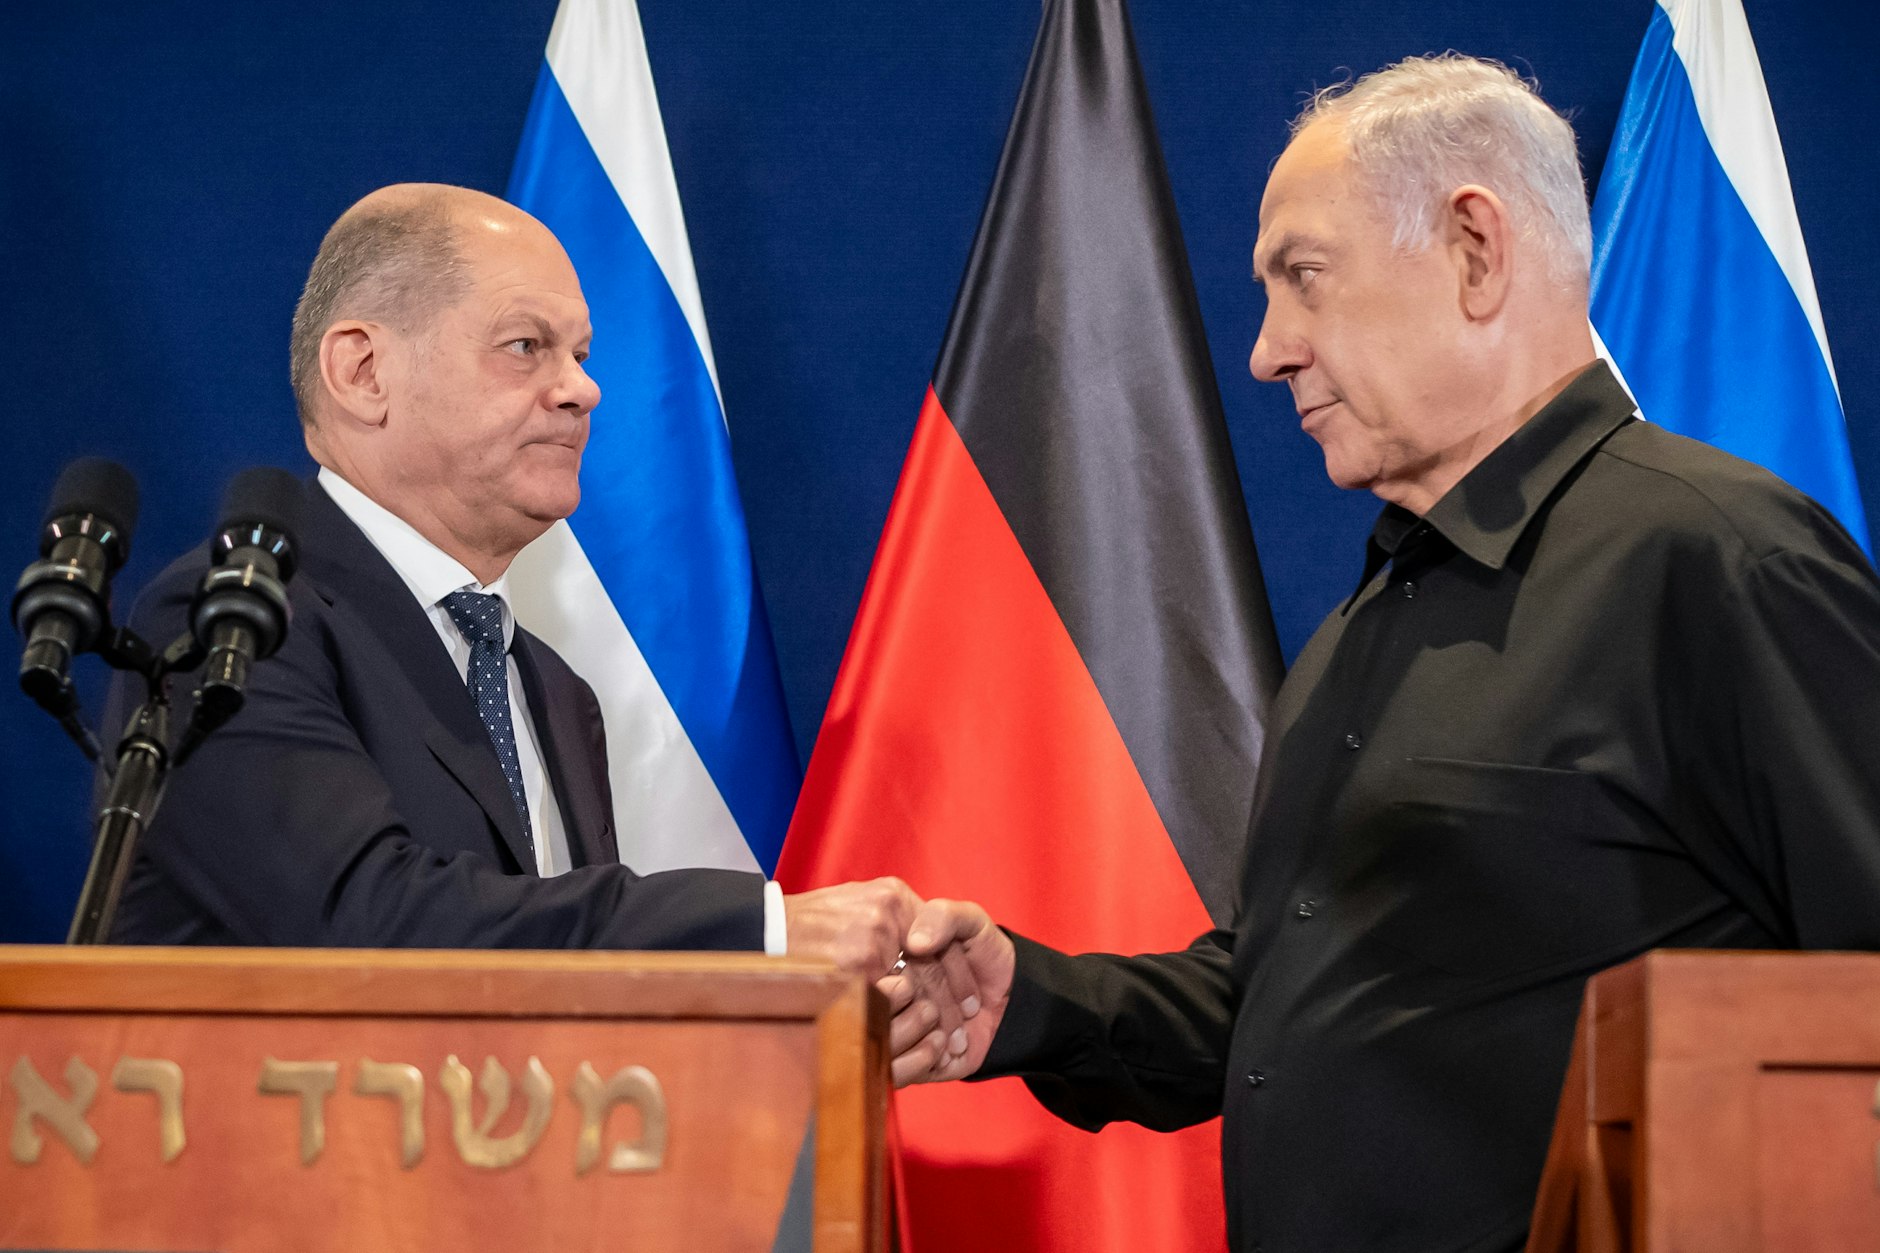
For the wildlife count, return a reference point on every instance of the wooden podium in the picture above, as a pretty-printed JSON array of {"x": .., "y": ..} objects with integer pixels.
[
  {"x": 255, "y": 1100},
  {"x": 1720, "y": 1103}
]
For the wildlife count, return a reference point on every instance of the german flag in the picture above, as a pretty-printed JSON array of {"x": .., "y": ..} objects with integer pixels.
[{"x": 1053, "y": 693}]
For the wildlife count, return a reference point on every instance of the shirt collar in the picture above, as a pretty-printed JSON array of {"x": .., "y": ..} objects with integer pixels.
[
  {"x": 429, "y": 571},
  {"x": 1486, "y": 513},
  {"x": 1394, "y": 529}
]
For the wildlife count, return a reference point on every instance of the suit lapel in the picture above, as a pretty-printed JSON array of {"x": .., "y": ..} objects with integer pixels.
[
  {"x": 349, "y": 572},
  {"x": 560, "y": 728}
]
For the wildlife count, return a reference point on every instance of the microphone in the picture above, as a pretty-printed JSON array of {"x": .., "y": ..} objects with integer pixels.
[
  {"x": 240, "y": 614},
  {"x": 61, "y": 604}
]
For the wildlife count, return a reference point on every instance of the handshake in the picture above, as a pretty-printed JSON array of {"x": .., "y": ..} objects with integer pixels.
[{"x": 945, "y": 968}]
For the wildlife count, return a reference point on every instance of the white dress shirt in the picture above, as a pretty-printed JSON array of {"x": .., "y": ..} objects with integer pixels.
[{"x": 432, "y": 574}]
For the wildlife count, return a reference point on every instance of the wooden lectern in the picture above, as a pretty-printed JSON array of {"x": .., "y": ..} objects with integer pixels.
[
  {"x": 257, "y": 1100},
  {"x": 1720, "y": 1103}
]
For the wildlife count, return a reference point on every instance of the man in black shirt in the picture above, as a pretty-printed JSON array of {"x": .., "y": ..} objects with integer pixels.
[{"x": 1599, "y": 689}]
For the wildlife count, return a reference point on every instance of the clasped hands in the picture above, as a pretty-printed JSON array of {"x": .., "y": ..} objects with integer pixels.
[{"x": 944, "y": 966}]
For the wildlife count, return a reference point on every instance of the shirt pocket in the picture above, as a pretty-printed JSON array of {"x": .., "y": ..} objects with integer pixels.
[{"x": 1491, "y": 871}]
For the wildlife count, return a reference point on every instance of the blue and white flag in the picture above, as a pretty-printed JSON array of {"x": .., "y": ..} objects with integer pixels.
[
  {"x": 1702, "y": 294},
  {"x": 648, "y": 590}
]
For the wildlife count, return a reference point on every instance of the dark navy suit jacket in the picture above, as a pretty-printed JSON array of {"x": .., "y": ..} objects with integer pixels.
[{"x": 356, "y": 799}]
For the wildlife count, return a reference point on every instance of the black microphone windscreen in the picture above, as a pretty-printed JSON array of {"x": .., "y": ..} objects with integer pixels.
[
  {"x": 97, "y": 486},
  {"x": 264, "y": 495}
]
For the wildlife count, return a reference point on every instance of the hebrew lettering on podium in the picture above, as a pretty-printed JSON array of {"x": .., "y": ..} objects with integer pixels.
[
  {"x": 405, "y": 1083},
  {"x": 475, "y": 1142},
  {"x": 163, "y": 1079},
  {"x": 1876, "y": 1150},
  {"x": 40, "y": 1107},
  {"x": 630, "y": 1085},
  {"x": 38, "y": 1102},
  {"x": 312, "y": 1082}
]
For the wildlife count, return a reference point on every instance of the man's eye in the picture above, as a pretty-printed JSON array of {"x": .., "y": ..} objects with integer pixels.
[
  {"x": 1304, "y": 274},
  {"x": 522, "y": 347}
]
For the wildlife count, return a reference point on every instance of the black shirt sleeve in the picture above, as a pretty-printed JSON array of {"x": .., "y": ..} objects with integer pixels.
[
  {"x": 1100, "y": 1038},
  {"x": 1798, "y": 673}
]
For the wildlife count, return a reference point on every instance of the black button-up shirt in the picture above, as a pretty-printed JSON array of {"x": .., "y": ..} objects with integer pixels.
[{"x": 1615, "y": 691}]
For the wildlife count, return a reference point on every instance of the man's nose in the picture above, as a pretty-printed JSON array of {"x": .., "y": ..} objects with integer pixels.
[
  {"x": 1277, "y": 353},
  {"x": 577, "y": 392}
]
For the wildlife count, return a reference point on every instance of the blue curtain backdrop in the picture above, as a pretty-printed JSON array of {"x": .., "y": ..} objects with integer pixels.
[{"x": 166, "y": 171}]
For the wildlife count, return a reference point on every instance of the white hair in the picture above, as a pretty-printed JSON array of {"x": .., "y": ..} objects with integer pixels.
[{"x": 1425, "y": 126}]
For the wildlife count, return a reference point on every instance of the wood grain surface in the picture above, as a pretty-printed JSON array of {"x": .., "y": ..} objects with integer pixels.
[
  {"x": 743, "y": 1048},
  {"x": 1720, "y": 1102}
]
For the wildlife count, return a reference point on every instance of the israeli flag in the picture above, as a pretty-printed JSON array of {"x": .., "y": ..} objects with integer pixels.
[
  {"x": 1702, "y": 293},
  {"x": 648, "y": 590}
]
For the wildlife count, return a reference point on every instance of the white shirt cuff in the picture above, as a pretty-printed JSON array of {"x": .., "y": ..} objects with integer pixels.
[{"x": 776, "y": 925}]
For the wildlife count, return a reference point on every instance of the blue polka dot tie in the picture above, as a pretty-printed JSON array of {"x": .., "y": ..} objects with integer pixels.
[{"x": 480, "y": 618}]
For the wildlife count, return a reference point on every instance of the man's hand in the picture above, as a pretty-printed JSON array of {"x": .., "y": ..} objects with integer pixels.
[
  {"x": 957, "y": 960},
  {"x": 858, "y": 926}
]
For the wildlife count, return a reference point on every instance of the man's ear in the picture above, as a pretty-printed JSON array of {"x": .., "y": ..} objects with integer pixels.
[
  {"x": 353, "y": 368},
  {"x": 1480, "y": 238}
]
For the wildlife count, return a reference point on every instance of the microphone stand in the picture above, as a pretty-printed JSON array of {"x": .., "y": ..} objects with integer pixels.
[
  {"x": 143, "y": 762},
  {"x": 136, "y": 788},
  {"x": 239, "y": 616}
]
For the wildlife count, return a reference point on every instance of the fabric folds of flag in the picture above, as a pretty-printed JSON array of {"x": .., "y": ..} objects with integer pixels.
[
  {"x": 1702, "y": 292},
  {"x": 1053, "y": 692},
  {"x": 648, "y": 590}
]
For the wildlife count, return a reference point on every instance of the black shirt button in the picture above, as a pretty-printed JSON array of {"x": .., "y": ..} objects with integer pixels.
[
  {"x": 1308, "y": 908},
  {"x": 1353, "y": 740},
  {"x": 1255, "y": 1078},
  {"x": 1409, "y": 590}
]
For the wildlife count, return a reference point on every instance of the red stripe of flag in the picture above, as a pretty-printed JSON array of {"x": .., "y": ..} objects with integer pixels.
[
  {"x": 967, "y": 750},
  {"x": 966, "y": 747}
]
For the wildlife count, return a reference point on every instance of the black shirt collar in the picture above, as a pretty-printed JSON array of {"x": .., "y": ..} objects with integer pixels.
[{"x": 1486, "y": 513}]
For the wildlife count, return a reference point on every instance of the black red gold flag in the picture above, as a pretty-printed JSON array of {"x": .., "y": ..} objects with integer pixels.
[{"x": 1053, "y": 693}]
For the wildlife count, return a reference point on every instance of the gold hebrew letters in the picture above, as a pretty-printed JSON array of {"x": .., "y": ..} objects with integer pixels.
[
  {"x": 630, "y": 1085},
  {"x": 475, "y": 1144},
  {"x": 313, "y": 1082},
  {"x": 165, "y": 1080},
  {"x": 66, "y": 1116},
  {"x": 404, "y": 1082},
  {"x": 40, "y": 1106},
  {"x": 1876, "y": 1150}
]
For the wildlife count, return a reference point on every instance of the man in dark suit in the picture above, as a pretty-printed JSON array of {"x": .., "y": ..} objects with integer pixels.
[{"x": 412, "y": 768}]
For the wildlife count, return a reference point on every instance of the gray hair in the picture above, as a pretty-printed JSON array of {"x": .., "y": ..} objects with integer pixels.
[
  {"x": 398, "y": 263},
  {"x": 1425, "y": 126}
]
